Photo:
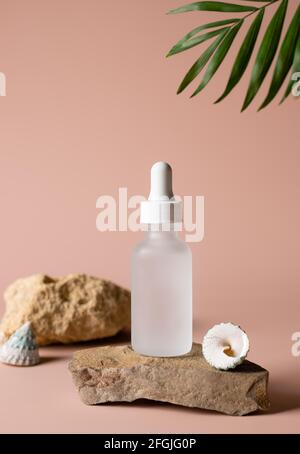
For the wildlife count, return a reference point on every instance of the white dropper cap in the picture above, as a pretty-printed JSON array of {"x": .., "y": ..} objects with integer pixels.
[
  {"x": 161, "y": 206},
  {"x": 161, "y": 182}
]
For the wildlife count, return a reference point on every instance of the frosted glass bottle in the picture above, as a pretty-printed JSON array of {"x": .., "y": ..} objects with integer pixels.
[{"x": 161, "y": 296}]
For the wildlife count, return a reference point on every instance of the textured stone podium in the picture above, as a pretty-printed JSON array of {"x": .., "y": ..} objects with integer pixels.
[{"x": 118, "y": 374}]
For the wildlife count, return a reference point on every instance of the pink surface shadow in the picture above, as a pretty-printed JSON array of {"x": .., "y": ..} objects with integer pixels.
[{"x": 282, "y": 398}]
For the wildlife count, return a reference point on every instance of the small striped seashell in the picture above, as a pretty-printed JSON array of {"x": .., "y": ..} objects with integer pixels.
[{"x": 21, "y": 348}]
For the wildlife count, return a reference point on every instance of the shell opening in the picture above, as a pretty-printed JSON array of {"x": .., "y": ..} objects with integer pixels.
[
  {"x": 225, "y": 346},
  {"x": 228, "y": 351}
]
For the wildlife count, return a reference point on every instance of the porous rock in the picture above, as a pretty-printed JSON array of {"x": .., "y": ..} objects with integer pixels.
[
  {"x": 118, "y": 374},
  {"x": 69, "y": 309}
]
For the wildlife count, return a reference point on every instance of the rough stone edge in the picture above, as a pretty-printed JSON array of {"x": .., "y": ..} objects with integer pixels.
[
  {"x": 258, "y": 392},
  {"x": 257, "y": 404}
]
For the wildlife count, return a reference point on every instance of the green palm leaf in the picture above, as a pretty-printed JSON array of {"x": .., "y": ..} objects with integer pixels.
[
  {"x": 200, "y": 63},
  {"x": 225, "y": 31},
  {"x": 195, "y": 41},
  {"x": 266, "y": 53},
  {"x": 213, "y": 6},
  {"x": 285, "y": 58},
  {"x": 219, "y": 56},
  {"x": 179, "y": 47},
  {"x": 244, "y": 55},
  {"x": 295, "y": 69}
]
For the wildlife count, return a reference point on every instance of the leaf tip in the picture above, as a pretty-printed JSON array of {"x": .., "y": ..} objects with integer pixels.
[
  {"x": 285, "y": 96},
  {"x": 264, "y": 104},
  {"x": 219, "y": 100},
  {"x": 171, "y": 52},
  {"x": 247, "y": 102}
]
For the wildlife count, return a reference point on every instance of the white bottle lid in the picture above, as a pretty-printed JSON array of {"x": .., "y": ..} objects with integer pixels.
[{"x": 161, "y": 206}]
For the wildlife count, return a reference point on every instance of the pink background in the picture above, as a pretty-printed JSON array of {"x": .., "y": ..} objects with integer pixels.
[{"x": 91, "y": 104}]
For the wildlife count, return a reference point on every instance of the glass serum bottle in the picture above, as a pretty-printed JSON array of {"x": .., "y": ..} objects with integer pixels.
[{"x": 161, "y": 298}]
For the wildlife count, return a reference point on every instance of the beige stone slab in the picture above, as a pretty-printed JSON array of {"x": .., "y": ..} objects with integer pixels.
[{"x": 118, "y": 374}]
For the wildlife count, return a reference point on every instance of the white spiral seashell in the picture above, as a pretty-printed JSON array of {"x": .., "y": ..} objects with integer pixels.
[{"x": 225, "y": 346}]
